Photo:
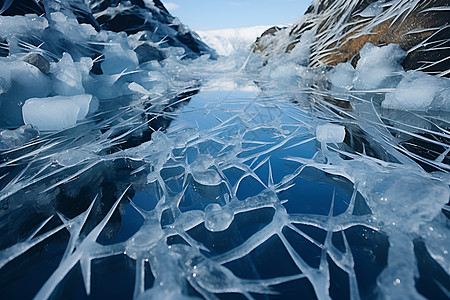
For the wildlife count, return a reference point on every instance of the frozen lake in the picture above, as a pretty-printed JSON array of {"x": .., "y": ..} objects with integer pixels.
[
  {"x": 248, "y": 191},
  {"x": 137, "y": 164}
]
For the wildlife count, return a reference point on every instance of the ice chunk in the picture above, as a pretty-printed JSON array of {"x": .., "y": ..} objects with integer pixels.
[
  {"x": 68, "y": 78},
  {"x": 330, "y": 133},
  {"x": 302, "y": 50},
  {"x": 373, "y": 68},
  {"x": 13, "y": 26},
  {"x": 71, "y": 29},
  {"x": 201, "y": 172},
  {"x": 19, "y": 81},
  {"x": 389, "y": 196},
  {"x": 137, "y": 88},
  {"x": 50, "y": 115},
  {"x": 376, "y": 64},
  {"x": 5, "y": 77},
  {"x": 342, "y": 75},
  {"x": 56, "y": 113},
  {"x": 442, "y": 101},
  {"x": 416, "y": 91},
  {"x": 118, "y": 59},
  {"x": 15, "y": 138},
  {"x": 373, "y": 9},
  {"x": 218, "y": 218},
  {"x": 284, "y": 75}
]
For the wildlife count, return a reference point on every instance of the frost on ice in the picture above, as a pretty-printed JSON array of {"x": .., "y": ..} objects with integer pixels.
[{"x": 127, "y": 173}]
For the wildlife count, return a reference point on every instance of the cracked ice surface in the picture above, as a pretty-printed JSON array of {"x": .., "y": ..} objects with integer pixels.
[{"x": 259, "y": 193}]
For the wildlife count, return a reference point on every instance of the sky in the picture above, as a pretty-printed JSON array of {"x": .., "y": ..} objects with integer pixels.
[{"x": 218, "y": 14}]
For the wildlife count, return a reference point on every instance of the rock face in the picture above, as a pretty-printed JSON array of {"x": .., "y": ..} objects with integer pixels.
[
  {"x": 150, "y": 19},
  {"x": 343, "y": 27}
]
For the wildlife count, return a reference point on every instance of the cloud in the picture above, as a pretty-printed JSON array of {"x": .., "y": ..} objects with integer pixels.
[
  {"x": 238, "y": 3},
  {"x": 171, "y": 5}
]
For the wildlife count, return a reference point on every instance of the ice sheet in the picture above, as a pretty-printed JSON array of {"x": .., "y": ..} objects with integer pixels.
[{"x": 179, "y": 177}]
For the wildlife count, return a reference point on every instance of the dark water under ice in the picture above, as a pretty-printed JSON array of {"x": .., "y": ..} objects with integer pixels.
[{"x": 226, "y": 187}]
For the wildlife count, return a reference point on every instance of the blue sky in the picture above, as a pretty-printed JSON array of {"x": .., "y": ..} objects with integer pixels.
[{"x": 216, "y": 14}]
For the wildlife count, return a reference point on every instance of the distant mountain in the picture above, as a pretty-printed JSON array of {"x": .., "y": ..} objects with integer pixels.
[{"x": 226, "y": 41}]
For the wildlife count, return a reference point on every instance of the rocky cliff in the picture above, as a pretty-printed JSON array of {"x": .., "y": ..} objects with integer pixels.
[{"x": 340, "y": 28}]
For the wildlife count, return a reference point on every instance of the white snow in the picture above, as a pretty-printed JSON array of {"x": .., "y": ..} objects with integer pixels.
[
  {"x": 226, "y": 41},
  {"x": 56, "y": 113}
]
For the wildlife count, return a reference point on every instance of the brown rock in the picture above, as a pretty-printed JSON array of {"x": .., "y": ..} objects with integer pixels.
[
  {"x": 38, "y": 61},
  {"x": 420, "y": 27}
]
